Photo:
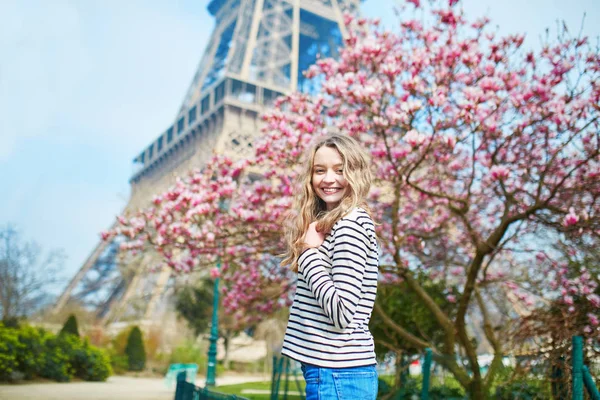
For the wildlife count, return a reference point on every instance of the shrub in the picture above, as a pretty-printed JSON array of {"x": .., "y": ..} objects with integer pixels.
[
  {"x": 70, "y": 326},
  {"x": 118, "y": 358},
  {"x": 437, "y": 390},
  {"x": 119, "y": 362},
  {"x": 383, "y": 388},
  {"x": 136, "y": 354},
  {"x": 57, "y": 364},
  {"x": 445, "y": 392},
  {"x": 410, "y": 389},
  {"x": 28, "y": 352},
  {"x": 522, "y": 389},
  {"x": 119, "y": 342},
  {"x": 513, "y": 384},
  {"x": 11, "y": 322},
  {"x": 190, "y": 353},
  {"x": 9, "y": 348},
  {"x": 90, "y": 363},
  {"x": 31, "y": 356}
]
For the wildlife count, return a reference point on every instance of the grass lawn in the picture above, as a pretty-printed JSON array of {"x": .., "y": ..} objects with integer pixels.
[{"x": 263, "y": 386}]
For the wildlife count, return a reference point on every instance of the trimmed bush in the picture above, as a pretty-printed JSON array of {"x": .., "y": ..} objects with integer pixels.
[
  {"x": 136, "y": 354},
  {"x": 31, "y": 356},
  {"x": 9, "y": 348},
  {"x": 90, "y": 363},
  {"x": 70, "y": 326},
  {"x": 28, "y": 352},
  {"x": 57, "y": 364}
]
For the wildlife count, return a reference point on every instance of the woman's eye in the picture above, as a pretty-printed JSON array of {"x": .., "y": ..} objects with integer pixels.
[{"x": 339, "y": 171}]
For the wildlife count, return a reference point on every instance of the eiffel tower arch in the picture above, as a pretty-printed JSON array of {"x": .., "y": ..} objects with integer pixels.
[{"x": 258, "y": 51}]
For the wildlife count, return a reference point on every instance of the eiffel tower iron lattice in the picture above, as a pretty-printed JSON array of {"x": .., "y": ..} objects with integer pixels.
[{"x": 258, "y": 51}]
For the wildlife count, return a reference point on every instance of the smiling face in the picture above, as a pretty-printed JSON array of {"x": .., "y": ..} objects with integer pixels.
[{"x": 328, "y": 180}]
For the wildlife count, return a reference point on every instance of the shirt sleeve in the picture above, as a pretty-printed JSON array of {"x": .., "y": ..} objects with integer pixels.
[{"x": 339, "y": 293}]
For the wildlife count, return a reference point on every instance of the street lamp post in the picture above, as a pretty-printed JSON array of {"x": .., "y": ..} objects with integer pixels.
[{"x": 211, "y": 371}]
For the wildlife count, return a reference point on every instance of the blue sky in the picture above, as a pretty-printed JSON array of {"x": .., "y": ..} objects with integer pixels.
[{"x": 85, "y": 85}]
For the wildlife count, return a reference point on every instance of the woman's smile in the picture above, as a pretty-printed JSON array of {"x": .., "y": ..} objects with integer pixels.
[
  {"x": 331, "y": 190},
  {"x": 328, "y": 178}
]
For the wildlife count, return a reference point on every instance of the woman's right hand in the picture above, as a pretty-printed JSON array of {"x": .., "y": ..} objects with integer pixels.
[{"x": 312, "y": 238}]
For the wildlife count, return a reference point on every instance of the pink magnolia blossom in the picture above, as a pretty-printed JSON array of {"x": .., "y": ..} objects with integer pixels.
[
  {"x": 568, "y": 300},
  {"x": 476, "y": 150},
  {"x": 498, "y": 172},
  {"x": 570, "y": 219},
  {"x": 594, "y": 300}
]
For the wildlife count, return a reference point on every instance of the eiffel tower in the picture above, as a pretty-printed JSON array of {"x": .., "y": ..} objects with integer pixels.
[{"x": 258, "y": 51}]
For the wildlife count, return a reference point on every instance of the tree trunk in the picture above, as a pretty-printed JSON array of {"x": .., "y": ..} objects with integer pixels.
[
  {"x": 226, "y": 360},
  {"x": 401, "y": 369},
  {"x": 476, "y": 391}
]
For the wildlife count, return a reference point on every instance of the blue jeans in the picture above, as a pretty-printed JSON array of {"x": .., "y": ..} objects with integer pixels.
[{"x": 355, "y": 383}]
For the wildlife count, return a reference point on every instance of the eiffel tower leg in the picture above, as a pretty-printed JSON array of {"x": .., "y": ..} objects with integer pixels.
[
  {"x": 118, "y": 308},
  {"x": 89, "y": 263},
  {"x": 157, "y": 291}
]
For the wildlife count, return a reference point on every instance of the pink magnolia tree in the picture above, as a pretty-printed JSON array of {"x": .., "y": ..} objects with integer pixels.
[
  {"x": 485, "y": 154},
  {"x": 218, "y": 216}
]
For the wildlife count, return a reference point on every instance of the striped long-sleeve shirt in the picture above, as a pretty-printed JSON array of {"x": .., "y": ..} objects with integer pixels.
[{"x": 335, "y": 294}]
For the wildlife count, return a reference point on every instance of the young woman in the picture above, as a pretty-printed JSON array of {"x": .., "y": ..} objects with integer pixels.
[{"x": 333, "y": 247}]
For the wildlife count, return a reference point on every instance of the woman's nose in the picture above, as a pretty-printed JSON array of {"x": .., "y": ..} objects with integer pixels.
[{"x": 329, "y": 176}]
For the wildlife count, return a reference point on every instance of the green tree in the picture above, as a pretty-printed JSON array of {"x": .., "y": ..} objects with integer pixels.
[
  {"x": 70, "y": 326},
  {"x": 136, "y": 354},
  {"x": 398, "y": 305},
  {"x": 195, "y": 304}
]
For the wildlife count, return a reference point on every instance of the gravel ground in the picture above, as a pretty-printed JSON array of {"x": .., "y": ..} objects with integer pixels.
[{"x": 115, "y": 388}]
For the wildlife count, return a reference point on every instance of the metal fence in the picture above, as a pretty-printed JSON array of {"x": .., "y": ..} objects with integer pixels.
[{"x": 283, "y": 377}]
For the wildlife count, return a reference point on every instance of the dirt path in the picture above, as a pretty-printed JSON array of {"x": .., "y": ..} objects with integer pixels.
[{"x": 115, "y": 388}]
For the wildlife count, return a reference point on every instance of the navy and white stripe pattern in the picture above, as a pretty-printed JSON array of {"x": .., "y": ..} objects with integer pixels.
[{"x": 335, "y": 294}]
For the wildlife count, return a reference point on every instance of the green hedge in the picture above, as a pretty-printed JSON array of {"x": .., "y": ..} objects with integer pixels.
[
  {"x": 9, "y": 348},
  {"x": 90, "y": 363},
  {"x": 31, "y": 358},
  {"x": 27, "y": 352}
]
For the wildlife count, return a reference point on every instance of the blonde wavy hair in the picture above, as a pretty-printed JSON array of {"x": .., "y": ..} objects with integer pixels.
[{"x": 356, "y": 170}]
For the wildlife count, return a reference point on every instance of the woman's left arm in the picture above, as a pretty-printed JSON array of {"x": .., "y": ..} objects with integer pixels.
[{"x": 339, "y": 293}]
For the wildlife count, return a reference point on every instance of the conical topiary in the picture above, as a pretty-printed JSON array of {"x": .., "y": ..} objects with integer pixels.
[
  {"x": 136, "y": 354},
  {"x": 70, "y": 326}
]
